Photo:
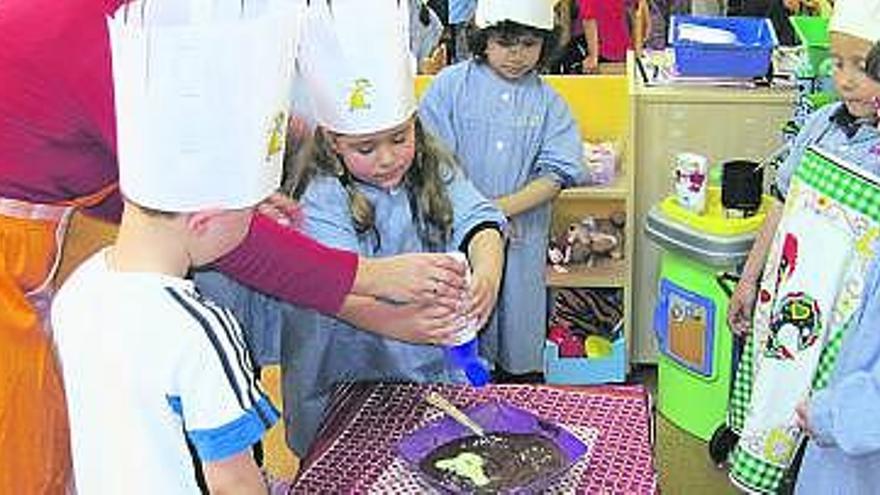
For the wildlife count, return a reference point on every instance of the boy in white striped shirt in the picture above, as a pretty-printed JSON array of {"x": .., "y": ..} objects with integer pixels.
[{"x": 149, "y": 365}]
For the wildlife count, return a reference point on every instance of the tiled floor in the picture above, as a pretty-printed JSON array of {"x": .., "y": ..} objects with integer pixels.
[{"x": 681, "y": 458}]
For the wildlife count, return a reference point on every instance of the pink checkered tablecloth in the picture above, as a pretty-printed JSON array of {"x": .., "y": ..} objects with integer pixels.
[{"x": 355, "y": 451}]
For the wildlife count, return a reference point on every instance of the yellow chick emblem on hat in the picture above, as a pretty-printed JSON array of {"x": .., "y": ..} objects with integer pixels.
[
  {"x": 356, "y": 64},
  {"x": 358, "y": 98},
  {"x": 276, "y": 136}
]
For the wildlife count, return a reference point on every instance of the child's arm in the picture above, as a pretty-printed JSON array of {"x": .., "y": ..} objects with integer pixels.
[
  {"x": 217, "y": 395},
  {"x": 535, "y": 193},
  {"x": 591, "y": 33},
  {"x": 558, "y": 164},
  {"x": 742, "y": 301},
  {"x": 486, "y": 255},
  {"x": 236, "y": 475},
  {"x": 291, "y": 266},
  {"x": 476, "y": 231},
  {"x": 435, "y": 108}
]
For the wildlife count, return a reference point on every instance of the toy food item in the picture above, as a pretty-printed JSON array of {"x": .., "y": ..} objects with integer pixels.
[
  {"x": 498, "y": 462},
  {"x": 597, "y": 347}
]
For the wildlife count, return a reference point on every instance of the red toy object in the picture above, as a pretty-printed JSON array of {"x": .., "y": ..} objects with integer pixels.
[
  {"x": 558, "y": 333},
  {"x": 572, "y": 347}
]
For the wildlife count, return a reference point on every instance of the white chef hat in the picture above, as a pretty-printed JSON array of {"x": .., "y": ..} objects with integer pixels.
[
  {"x": 859, "y": 18},
  {"x": 354, "y": 58},
  {"x": 533, "y": 13},
  {"x": 201, "y": 92}
]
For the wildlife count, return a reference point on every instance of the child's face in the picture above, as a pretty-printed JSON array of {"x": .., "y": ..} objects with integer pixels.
[
  {"x": 381, "y": 158},
  {"x": 512, "y": 58},
  {"x": 856, "y": 88}
]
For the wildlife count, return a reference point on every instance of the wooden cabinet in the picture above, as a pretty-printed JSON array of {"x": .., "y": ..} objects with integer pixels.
[{"x": 720, "y": 123}]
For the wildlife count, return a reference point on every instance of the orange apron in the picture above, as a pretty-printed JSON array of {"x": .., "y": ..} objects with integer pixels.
[{"x": 34, "y": 436}]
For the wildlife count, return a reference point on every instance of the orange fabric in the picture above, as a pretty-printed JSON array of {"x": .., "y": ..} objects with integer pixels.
[
  {"x": 85, "y": 236},
  {"x": 34, "y": 446}
]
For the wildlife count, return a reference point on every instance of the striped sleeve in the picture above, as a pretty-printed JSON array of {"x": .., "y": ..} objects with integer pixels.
[{"x": 217, "y": 394}]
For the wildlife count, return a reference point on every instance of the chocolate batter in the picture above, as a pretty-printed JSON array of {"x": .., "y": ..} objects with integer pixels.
[{"x": 494, "y": 463}]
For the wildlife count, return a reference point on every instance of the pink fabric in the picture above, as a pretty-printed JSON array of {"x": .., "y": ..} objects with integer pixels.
[
  {"x": 58, "y": 142},
  {"x": 57, "y": 128},
  {"x": 611, "y": 22}
]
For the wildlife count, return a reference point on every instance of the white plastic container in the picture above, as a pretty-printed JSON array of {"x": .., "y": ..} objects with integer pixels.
[{"x": 691, "y": 176}]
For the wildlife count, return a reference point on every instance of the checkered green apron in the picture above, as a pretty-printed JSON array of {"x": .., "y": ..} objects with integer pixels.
[{"x": 811, "y": 286}]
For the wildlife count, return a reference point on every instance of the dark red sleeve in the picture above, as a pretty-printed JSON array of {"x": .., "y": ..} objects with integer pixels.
[{"x": 291, "y": 266}]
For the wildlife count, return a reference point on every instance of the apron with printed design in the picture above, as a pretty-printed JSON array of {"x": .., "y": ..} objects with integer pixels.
[{"x": 812, "y": 285}]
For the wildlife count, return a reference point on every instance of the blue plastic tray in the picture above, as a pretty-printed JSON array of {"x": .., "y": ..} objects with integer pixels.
[{"x": 748, "y": 56}]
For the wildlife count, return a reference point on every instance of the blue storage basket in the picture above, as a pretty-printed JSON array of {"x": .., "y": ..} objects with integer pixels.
[
  {"x": 748, "y": 57},
  {"x": 585, "y": 371}
]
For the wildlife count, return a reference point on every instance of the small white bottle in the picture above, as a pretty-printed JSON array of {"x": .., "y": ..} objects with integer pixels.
[{"x": 464, "y": 354}]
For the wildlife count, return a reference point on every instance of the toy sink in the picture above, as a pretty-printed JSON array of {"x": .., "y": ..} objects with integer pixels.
[{"x": 700, "y": 253}]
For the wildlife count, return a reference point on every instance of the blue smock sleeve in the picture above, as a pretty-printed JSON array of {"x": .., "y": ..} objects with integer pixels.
[
  {"x": 327, "y": 214},
  {"x": 810, "y": 134},
  {"x": 561, "y": 153},
  {"x": 471, "y": 210},
  {"x": 436, "y": 106},
  {"x": 261, "y": 316},
  {"x": 845, "y": 414}
]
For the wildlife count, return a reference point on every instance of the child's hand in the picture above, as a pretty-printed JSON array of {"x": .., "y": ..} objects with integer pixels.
[
  {"x": 434, "y": 62},
  {"x": 483, "y": 295},
  {"x": 282, "y": 209},
  {"x": 741, "y": 306},
  {"x": 591, "y": 64},
  {"x": 802, "y": 410}
]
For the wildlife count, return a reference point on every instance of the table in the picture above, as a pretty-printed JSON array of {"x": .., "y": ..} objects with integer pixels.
[{"x": 355, "y": 448}]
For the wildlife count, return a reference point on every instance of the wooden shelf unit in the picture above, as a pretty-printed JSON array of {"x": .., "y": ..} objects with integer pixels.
[{"x": 601, "y": 105}]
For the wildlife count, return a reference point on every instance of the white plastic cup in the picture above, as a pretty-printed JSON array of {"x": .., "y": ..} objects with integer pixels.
[{"x": 691, "y": 175}]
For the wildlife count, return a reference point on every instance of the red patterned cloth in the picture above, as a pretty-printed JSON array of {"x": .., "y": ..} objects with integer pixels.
[{"x": 355, "y": 450}]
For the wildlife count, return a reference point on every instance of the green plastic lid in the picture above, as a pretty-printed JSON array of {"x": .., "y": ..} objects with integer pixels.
[{"x": 812, "y": 31}]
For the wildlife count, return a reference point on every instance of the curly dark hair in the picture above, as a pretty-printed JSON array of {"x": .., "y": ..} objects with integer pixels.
[{"x": 478, "y": 39}]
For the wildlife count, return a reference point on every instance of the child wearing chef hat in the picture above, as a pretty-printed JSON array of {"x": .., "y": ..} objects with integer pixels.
[
  {"x": 843, "y": 454},
  {"x": 373, "y": 182},
  {"x": 149, "y": 364},
  {"x": 517, "y": 140}
]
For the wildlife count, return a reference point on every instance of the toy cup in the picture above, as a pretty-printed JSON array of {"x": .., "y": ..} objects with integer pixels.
[{"x": 691, "y": 172}]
